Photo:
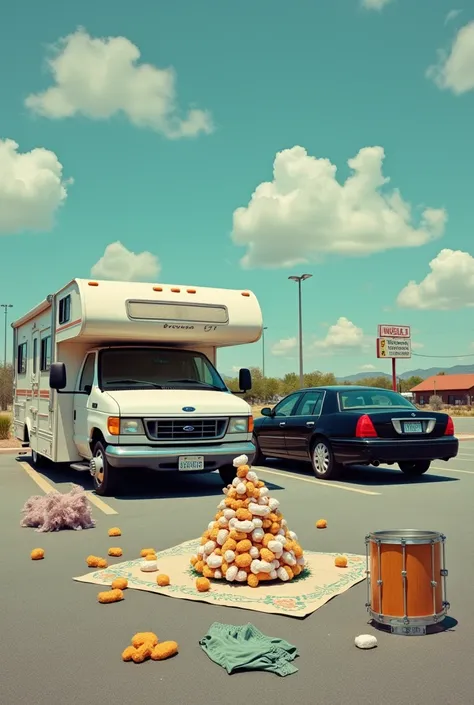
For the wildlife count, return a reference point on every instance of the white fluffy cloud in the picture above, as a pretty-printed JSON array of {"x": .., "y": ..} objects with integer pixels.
[
  {"x": 367, "y": 368},
  {"x": 123, "y": 265},
  {"x": 455, "y": 69},
  {"x": 32, "y": 188},
  {"x": 449, "y": 285},
  {"x": 343, "y": 336},
  {"x": 285, "y": 347},
  {"x": 102, "y": 77},
  {"x": 375, "y": 4},
  {"x": 305, "y": 212}
]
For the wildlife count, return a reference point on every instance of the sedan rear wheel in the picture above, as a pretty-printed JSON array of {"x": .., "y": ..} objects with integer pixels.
[
  {"x": 322, "y": 460},
  {"x": 415, "y": 467}
]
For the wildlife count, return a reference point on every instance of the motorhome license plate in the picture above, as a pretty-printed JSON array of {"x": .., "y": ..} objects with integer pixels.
[
  {"x": 413, "y": 427},
  {"x": 191, "y": 462}
]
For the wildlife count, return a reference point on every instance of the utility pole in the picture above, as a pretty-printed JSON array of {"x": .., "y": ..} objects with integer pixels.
[
  {"x": 300, "y": 279},
  {"x": 263, "y": 351},
  {"x": 5, "y": 311}
]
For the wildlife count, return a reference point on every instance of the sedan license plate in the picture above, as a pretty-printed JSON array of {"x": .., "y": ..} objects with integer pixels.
[
  {"x": 191, "y": 462},
  {"x": 413, "y": 427}
]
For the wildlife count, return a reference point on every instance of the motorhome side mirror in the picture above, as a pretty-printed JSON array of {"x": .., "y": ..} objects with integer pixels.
[
  {"x": 57, "y": 375},
  {"x": 245, "y": 379},
  {"x": 266, "y": 411}
]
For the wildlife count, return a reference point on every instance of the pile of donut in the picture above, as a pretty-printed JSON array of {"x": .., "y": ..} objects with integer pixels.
[{"x": 248, "y": 541}]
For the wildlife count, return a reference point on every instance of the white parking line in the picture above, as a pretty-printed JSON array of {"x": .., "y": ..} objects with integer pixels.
[
  {"x": 324, "y": 483},
  {"x": 464, "y": 472}
]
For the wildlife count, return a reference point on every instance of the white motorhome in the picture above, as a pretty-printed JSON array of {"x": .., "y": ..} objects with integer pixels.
[{"x": 116, "y": 375}]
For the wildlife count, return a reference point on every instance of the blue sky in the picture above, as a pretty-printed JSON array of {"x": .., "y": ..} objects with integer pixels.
[{"x": 331, "y": 77}]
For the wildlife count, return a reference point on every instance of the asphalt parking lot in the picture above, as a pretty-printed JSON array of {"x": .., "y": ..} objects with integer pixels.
[{"x": 60, "y": 646}]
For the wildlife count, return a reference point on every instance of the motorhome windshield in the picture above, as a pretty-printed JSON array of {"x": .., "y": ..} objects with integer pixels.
[{"x": 143, "y": 368}]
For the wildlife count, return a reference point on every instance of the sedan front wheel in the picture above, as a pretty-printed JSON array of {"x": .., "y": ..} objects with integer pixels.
[{"x": 322, "y": 460}]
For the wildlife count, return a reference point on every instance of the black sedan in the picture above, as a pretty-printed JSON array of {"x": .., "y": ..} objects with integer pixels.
[{"x": 336, "y": 426}]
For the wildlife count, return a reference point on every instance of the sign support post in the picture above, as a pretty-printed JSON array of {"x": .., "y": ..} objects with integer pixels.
[{"x": 394, "y": 374}]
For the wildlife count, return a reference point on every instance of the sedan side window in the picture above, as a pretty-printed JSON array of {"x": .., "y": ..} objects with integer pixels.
[
  {"x": 285, "y": 407},
  {"x": 310, "y": 404}
]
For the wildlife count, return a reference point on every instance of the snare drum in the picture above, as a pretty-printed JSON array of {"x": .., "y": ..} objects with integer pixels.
[{"x": 406, "y": 579}]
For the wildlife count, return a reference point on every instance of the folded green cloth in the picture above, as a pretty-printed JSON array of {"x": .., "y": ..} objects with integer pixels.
[{"x": 245, "y": 648}]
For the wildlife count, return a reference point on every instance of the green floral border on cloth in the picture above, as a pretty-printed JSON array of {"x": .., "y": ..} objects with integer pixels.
[{"x": 353, "y": 574}]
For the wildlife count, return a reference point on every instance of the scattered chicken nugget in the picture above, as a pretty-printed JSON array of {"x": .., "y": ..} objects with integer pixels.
[
  {"x": 203, "y": 584},
  {"x": 109, "y": 596},
  {"x": 143, "y": 653},
  {"x": 92, "y": 561},
  {"x": 146, "y": 551},
  {"x": 37, "y": 554},
  {"x": 127, "y": 654},
  {"x": 162, "y": 580},
  {"x": 141, "y": 638},
  {"x": 114, "y": 531},
  {"x": 321, "y": 524},
  {"x": 340, "y": 561},
  {"x": 119, "y": 584},
  {"x": 102, "y": 563},
  {"x": 115, "y": 552},
  {"x": 164, "y": 650}
]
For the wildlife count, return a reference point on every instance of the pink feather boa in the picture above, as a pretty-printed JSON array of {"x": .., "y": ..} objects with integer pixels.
[{"x": 55, "y": 511}]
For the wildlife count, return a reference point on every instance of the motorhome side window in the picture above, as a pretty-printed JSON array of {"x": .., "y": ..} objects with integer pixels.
[
  {"x": 64, "y": 314},
  {"x": 45, "y": 354},
  {"x": 22, "y": 358},
  {"x": 87, "y": 375},
  {"x": 35, "y": 354}
]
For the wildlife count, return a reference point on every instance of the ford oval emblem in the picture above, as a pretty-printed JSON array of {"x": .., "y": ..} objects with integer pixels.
[
  {"x": 188, "y": 408},
  {"x": 188, "y": 428}
]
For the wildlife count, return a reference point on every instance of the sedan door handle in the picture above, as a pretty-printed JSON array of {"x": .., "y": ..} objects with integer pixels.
[
  {"x": 310, "y": 423},
  {"x": 282, "y": 423}
]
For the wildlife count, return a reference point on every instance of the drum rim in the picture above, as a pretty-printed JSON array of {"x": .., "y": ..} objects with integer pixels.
[{"x": 405, "y": 536}]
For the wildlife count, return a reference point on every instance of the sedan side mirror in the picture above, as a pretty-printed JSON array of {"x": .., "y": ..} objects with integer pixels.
[
  {"x": 57, "y": 375},
  {"x": 266, "y": 411}
]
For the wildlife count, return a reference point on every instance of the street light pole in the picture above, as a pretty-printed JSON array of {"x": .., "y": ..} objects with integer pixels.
[
  {"x": 263, "y": 350},
  {"x": 299, "y": 280},
  {"x": 5, "y": 311}
]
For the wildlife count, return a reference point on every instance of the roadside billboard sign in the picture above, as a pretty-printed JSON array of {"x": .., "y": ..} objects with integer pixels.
[
  {"x": 386, "y": 331},
  {"x": 394, "y": 348}
]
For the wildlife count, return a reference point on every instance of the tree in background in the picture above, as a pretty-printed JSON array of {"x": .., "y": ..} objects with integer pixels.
[
  {"x": 6, "y": 387},
  {"x": 270, "y": 389}
]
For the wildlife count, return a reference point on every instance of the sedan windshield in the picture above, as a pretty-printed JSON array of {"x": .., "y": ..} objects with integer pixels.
[
  {"x": 372, "y": 398},
  {"x": 148, "y": 368}
]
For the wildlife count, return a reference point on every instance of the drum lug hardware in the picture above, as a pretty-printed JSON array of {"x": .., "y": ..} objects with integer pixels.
[
  {"x": 404, "y": 574},
  {"x": 446, "y": 604},
  {"x": 434, "y": 583},
  {"x": 443, "y": 572},
  {"x": 406, "y": 620},
  {"x": 379, "y": 582}
]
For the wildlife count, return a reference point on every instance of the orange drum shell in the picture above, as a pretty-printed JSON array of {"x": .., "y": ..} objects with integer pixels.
[{"x": 419, "y": 575}]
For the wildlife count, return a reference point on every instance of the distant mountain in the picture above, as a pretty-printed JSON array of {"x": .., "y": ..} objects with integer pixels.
[{"x": 455, "y": 370}]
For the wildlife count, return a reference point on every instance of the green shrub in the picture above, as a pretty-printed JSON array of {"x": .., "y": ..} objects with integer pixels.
[{"x": 5, "y": 426}]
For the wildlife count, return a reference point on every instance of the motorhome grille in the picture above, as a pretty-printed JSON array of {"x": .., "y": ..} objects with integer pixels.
[{"x": 188, "y": 429}]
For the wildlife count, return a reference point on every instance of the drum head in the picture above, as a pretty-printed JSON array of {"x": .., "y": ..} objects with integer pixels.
[{"x": 397, "y": 536}]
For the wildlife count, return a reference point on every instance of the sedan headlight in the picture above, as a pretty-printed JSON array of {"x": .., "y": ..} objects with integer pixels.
[
  {"x": 129, "y": 427},
  {"x": 240, "y": 424}
]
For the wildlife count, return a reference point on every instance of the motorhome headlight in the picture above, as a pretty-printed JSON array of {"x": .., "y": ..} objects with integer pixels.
[
  {"x": 131, "y": 427},
  {"x": 239, "y": 424}
]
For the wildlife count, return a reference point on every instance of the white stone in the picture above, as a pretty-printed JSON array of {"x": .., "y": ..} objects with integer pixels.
[{"x": 365, "y": 641}]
